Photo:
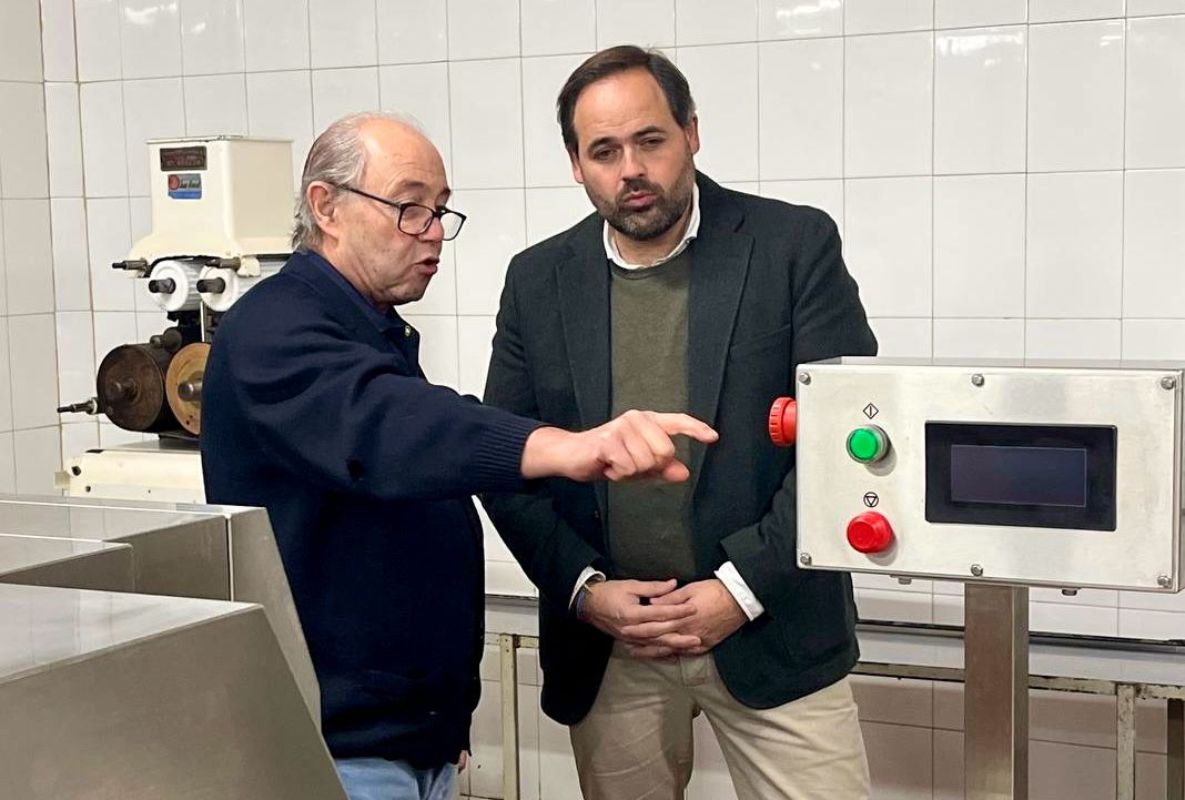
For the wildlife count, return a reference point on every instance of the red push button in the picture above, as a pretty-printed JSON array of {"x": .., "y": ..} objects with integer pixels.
[
  {"x": 870, "y": 532},
  {"x": 783, "y": 421}
]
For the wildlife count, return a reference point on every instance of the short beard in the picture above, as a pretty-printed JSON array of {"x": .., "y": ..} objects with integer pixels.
[{"x": 644, "y": 226}]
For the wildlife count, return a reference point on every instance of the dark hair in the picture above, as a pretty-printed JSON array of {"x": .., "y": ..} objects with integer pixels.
[{"x": 617, "y": 59}]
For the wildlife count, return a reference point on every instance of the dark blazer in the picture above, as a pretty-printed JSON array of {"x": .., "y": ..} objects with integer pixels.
[
  {"x": 314, "y": 407},
  {"x": 769, "y": 290}
]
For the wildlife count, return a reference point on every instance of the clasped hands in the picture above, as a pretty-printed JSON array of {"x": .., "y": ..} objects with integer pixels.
[{"x": 656, "y": 620}]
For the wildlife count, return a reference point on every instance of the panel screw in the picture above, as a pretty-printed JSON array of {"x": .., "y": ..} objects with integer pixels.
[
  {"x": 977, "y": 570},
  {"x": 977, "y": 380},
  {"x": 805, "y": 559},
  {"x": 1164, "y": 581},
  {"x": 1168, "y": 382},
  {"x": 804, "y": 378}
]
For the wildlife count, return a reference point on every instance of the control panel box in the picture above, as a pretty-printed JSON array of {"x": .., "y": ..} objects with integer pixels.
[{"x": 1053, "y": 475}]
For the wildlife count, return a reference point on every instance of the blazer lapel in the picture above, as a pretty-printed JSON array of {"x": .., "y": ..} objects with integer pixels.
[
  {"x": 584, "y": 309},
  {"x": 720, "y": 264}
]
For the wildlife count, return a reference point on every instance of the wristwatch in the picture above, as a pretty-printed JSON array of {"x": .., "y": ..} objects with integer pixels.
[{"x": 583, "y": 594}]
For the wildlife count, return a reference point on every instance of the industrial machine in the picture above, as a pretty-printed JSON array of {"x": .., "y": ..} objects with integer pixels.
[
  {"x": 157, "y": 648},
  {"x": 221, "y": 216},
  {"x": 1000, "y": 476}
]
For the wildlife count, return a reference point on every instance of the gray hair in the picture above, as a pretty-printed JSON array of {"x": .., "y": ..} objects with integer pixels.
[{"x": 337, "y": 157}]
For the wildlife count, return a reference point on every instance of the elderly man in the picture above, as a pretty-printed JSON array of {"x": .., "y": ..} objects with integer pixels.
[
  {"x": 683, "y": 296},
  {"x": 316, "y": 408}
]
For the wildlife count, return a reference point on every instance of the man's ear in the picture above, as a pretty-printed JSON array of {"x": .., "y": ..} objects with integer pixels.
[
  {"x": 577, "y": 173},
  {"x": 692, "y": 133},
  {"x": 323, "y": 203}
]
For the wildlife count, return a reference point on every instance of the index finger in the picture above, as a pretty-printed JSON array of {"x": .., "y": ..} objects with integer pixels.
[{"x": 685, "y": 424}]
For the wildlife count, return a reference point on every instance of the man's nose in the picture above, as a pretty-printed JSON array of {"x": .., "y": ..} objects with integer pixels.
[
  {"x": 632, "y": 165},
  {"x": 435, "y": 232}
]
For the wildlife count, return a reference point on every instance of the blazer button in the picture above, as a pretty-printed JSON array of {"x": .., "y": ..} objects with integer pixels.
[{"x": 597, "y": 515}]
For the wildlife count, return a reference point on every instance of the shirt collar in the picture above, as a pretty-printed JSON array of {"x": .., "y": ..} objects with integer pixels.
[{"x": 692, "y": 231}]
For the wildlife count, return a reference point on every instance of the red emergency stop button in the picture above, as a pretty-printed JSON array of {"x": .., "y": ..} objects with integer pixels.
[
  {"x": 870, "y": 533},
  {"x": 783, "y": 421}
]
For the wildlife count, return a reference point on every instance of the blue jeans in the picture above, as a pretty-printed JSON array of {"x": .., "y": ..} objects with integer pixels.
[{"x": 380, "y": 779}]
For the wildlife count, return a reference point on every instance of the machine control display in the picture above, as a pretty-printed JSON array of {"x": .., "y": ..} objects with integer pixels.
[
  {"x": 1043, "y": 476},
  {"x": 1018, "y": 476}
]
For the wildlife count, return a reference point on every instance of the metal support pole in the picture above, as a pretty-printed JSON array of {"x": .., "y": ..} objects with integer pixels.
[
  {"x": 996, "y": 700},
  {"x": 1125, "y": 748},
  {"x": 1176, "y": 749},
  {"x": 508, "y": 649}
]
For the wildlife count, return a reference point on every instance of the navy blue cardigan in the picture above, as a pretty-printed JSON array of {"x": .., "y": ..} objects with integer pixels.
[{"x": 323, "y": 417}]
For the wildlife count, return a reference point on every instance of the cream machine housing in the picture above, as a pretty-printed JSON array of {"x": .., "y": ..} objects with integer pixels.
[
  {"x": 221, "y": 218},
  {"x": 1057, "y": 475}
]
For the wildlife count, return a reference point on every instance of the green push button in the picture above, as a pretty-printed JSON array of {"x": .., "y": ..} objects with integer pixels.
[{"x": 868, "y": 444}]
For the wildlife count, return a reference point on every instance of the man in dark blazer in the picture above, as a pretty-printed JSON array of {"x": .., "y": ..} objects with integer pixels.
[
  {"x": 682, "y": 296},
  {"x": 315, "y": 407}
]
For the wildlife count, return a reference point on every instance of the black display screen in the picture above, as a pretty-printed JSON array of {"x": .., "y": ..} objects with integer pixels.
[
  {"x": 1018, "y": 476},
  {"x": 1042, "y": 476}
]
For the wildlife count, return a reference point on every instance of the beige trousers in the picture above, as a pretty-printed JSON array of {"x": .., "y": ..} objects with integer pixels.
[{"x": 636, "y": 742}]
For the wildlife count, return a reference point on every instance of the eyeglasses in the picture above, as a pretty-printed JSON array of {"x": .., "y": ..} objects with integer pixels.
[{"x": 415, "y": 219}]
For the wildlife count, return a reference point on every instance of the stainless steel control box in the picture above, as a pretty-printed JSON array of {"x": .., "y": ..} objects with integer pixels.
[{"x": 1058, "y": 475}]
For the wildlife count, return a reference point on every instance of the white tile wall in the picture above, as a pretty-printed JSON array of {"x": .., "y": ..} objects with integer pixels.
[
  {"x": 1156, "y": 93},
  {"x": 888, "y": 223},
  {"x": 486, "y": 106},
  {"x": 96, "y": 30},
  {"x": 58, "y": 52},
  {"x": 276, "y": 34},
  {"x": 547, "y": 162},
  {"x": 979, "y": 100},
  {"x": 215, "y": 104},
  {"x": 483, "y": 29},
  {"x": 337, "y": 92},
  {"x": 701, "y": 22},
  {"x": 552, "y": 211},
  {"x": 1075, "y": 244},
  {"x": 801, "y": 109},
  {"x": 33, "y": 361},
  {"x": 912, "y": 122},
  {"x": 494, "y": 232},
  {"x": 790, "y": 19},
  {"x": 973, "y": 13},
  {"x": 887, "y": 16},
  {"x": 551, "y": 27},
  {"x": 725, "y": 78},
  {"x": 152, "y": 109},
  {"x": 23, "y": 170},
  {"x": 20, "y": 37},
  {"x": 212, "y": 36},
  {"x": 150, "y": 38},
  {"x": 104, "y": 155},
  {"x": 71, "y": 264},
  {"x": 5, "y": 390},
  {"x": 280, "y": 105},
  {"x": 64, "y": 139},
  {"x": 979, "y": 254},
  {"x": 888, "y": 105},
  {"x": 411, "y": 31},
  {"x": 343, "y": 33},
  {"x": 35, "y": 451},
  {"x": 1154, "y": 244},
  {"x": 649, "y": 23},
  {"x": 28, "y": 256},
  {"x": 1076, "y": 87}
]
